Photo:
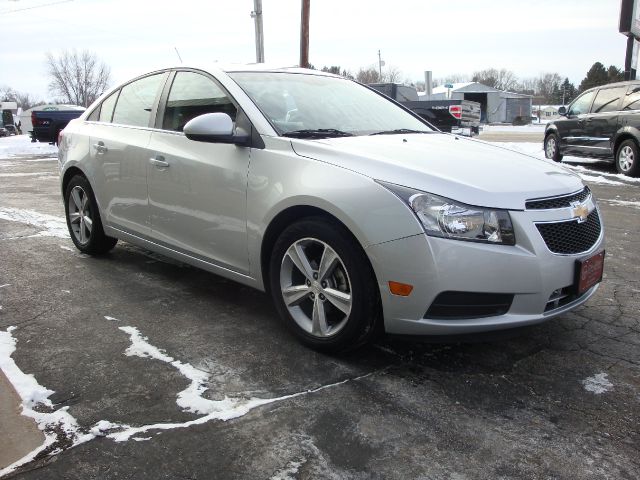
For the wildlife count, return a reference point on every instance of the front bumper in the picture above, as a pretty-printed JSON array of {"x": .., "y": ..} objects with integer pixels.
[{"x": 528, "y": 271}]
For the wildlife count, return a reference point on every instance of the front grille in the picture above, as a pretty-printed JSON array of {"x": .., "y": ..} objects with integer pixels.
[
  {"x": 571, "y": 237},
  {"x": 558, "y": 202},
  {"x": 466, "y": 305}
]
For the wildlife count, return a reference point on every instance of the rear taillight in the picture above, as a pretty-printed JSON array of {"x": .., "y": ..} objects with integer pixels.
[
  {"x": 34, "y": 120},
  {"x": 455, "y": 111}
]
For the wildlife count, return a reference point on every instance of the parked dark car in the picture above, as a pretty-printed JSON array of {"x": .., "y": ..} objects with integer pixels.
[
  {"x": 454, "y": 116},
  {"x": 11, "y": 129},
  {"x": 603, "y": 123},
  {"x": 4, "y": 132},
  {"x": 47, "y": 124}
]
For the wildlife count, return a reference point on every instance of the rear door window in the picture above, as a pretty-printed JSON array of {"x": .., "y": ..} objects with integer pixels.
[
  {"x": 106, "y": 109},
  {"x": 632, "y": 99},
  {"x": 191, "y": 95},
  {"x": 581, "y": 104},
  {"x": 136, "y": 101},
  {"x": 608, "y": 100}
]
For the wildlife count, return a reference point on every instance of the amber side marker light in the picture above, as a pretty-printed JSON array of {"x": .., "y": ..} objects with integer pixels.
[{"x": 400, "y": 289}]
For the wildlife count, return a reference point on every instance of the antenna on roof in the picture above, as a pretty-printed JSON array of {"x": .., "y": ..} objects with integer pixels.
[{"x": 178, "y": 53}]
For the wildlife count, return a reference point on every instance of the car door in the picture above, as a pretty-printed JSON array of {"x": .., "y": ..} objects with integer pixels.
[
  {"x": 119, "y": 156},
  {"x": 571, "y": 129},
  {"x": 197, "y": 190},
  {"x": 601, "y": 124}
]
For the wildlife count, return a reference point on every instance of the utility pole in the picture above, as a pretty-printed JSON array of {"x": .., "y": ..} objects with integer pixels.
[
  {"x": 380, "y": 65},
  {"x": 304, "y": 34},
  {"x": 257, "y": 17}
]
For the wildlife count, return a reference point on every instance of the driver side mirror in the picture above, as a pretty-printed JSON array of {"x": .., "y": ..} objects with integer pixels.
[
  {"x": 562, "y": 111},
  {"x": 215, "y": 128}
]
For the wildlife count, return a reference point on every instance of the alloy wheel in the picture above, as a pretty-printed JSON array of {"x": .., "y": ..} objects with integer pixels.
[
  {"x": 551, "y": 147},
  {"x": 80, "y": 215},
  {"x": 315, "y": 287},
  {"x": 625, "y": 158}
]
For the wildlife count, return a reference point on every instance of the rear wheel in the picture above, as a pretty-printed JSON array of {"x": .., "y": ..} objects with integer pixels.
[
  {"x": 552, "y": 147},
  {"x": 627, "y": 159},
  {"x": 83, "y": 218},
  {"x": 323, "y": 286}
]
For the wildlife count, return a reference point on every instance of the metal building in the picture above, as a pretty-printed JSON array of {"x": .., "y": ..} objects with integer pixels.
[{"x": 497, "y": 106}]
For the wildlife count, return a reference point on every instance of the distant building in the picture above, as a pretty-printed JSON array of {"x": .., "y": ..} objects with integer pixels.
[
  {"x": 497, "y": 106},
  {"x": 546, "y": 112}
]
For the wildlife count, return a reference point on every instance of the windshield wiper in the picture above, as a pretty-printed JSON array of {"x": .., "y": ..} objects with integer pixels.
[
  {"x": 317, "y": 133},
  {"x": 398, "y": 131}
]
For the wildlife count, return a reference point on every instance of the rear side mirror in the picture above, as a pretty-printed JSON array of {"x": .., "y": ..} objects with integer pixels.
[
  {"x": 562, "y": 111},
  {"x": 215, "y": 128}
]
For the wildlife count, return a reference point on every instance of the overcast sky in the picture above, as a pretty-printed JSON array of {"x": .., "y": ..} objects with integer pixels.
[{"x": 134, "y": 36}]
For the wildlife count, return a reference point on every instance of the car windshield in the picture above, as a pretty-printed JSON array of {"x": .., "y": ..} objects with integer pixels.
[{"x": 316, "y": 106}]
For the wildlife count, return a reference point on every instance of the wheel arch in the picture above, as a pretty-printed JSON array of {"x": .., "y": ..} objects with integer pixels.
[
  {"x": 69, "y": 174},
  {"x": 628, "y": 133},
  {"x": 287, "y": 217}
]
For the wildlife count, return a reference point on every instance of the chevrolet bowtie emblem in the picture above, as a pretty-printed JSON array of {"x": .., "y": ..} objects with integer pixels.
[{"x": 580, "y": 211}]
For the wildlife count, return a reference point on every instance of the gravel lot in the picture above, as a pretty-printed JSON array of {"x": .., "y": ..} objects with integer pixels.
[{"x": 560, "y": 400}]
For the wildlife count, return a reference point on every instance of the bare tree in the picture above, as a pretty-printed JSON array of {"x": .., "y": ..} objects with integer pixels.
[
  {"x": 24, "y": 100},
  {"x": 392, "y": 74},
  {"x": 77, "y": 77},
  {"x": 368, "y": 75},
  {"x": 501, "y": 79},
  {"x": 547, "y": 84}
]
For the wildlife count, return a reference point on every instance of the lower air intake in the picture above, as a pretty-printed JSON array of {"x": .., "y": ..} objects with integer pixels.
[{"x": 467, "y": 305}]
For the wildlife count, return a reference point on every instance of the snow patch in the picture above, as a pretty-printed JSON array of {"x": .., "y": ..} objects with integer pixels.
[
  {"x": 599, "y": 179},
  {"x": 621, "y": 203},
  {"x": 21, "y": 145},
  {"x": 51, "y": 226},
  {"x": 289, "y": 472},
  {"x": 60, "y": 423},
  {"x": 111, "y": 319},
  {"x": 597, "y": 384},
  {"x": 5, "y": 285},
  {"x": 141, "y": 439},
  {"x": 31, "y": 174},
  {"x": 33, "y": 395}
]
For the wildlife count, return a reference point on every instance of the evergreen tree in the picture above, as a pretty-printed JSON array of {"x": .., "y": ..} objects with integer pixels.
[
  {"x": 615, "y": 74},
  {"x": 597, "y": 75}
]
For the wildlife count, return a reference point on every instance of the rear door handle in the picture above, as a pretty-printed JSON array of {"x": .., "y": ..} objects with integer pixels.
[
  {"x": 100, "y": 147},
  {"x": 159, "y": 162}
]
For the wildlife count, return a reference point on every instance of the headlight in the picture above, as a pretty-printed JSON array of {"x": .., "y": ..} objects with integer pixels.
[{"x": 443, "y": 217}]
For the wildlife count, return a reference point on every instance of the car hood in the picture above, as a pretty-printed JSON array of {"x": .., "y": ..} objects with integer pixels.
[{"x": 465, "y": 170}]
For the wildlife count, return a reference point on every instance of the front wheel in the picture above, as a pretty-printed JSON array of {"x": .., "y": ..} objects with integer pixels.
[
  {"x": 83, "y": 218},
  {"x": 627, "y": 160},
  {"x": 552, "y": 147},
  {"x": 323, "y": 286}
]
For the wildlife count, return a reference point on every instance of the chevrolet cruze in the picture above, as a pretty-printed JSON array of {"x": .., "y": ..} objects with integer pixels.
[{"x": 351, "y": 211}]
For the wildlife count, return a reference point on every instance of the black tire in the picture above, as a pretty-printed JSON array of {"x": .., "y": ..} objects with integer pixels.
[
  {"x": 352, "y": 275},
  {"x": 552, "y": 147},
  {"x": 628, "y": 159},
  {"x": 80, "y": 203}
]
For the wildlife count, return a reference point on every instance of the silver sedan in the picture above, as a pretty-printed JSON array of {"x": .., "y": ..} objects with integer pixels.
[{"x": 351, "y": 211}]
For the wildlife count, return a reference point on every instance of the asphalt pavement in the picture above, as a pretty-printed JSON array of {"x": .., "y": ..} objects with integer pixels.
[{"x": 559, "y": 400}]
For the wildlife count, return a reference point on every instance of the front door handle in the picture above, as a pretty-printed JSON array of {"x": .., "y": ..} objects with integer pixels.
[
  {"x": 159, "y": 162},
  {"x": 100, "y": 147}
]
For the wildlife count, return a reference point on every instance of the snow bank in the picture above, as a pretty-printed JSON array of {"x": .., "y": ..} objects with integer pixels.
[
  {"x": 51, "y": 226},
  {"x": 20, "y": 145}
]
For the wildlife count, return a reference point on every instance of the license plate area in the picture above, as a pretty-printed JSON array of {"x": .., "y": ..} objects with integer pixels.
[{"x": 589, "y": 272}]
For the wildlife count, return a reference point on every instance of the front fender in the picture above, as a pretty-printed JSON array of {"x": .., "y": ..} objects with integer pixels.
[{"x": 280, "y": 179}]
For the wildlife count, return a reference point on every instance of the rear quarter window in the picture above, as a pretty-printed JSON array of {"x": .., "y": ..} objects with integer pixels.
[
  {"x": 632, "y": 99},
  {"x": 608, "y": 100}
]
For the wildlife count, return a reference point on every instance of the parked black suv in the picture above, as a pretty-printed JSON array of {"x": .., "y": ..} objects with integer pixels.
[{"x": 604, "y": 123}]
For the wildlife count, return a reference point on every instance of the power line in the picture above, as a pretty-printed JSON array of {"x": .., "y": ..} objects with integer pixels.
[{"x": 35, "y": 6}]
